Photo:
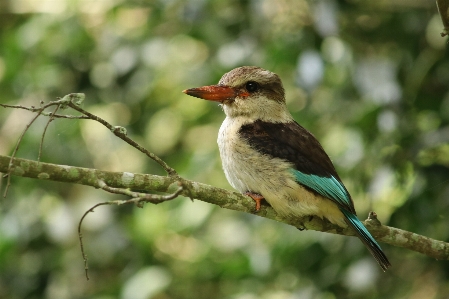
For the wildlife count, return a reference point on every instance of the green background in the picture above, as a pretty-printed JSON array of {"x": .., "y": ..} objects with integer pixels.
[{"x": 369, "y": 78}]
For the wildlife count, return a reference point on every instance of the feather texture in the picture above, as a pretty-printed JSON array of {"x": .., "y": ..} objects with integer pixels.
[
  {"x": 313, "y": 169},
  {"x": 292, "y": 143},
  {"x": 328, "y": 187}
]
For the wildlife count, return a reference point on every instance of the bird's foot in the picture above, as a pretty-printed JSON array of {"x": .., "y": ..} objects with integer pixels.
[{"x": 256, "y": 197}]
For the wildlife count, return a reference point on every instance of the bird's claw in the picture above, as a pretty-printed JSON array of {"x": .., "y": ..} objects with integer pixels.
[{"x": 256, "y": 197}]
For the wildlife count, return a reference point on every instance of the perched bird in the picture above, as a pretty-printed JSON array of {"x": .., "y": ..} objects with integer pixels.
[{"x": 267, "y": 155}]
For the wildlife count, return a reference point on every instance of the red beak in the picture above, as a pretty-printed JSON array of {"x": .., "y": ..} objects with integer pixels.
[{"x": 217, "y": 93}]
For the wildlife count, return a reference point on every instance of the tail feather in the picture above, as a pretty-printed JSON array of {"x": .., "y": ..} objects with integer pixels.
[{"x": 367, "y": 239}]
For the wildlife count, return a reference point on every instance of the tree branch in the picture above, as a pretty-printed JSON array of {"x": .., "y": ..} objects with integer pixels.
[{"x": 223, "y": 198}]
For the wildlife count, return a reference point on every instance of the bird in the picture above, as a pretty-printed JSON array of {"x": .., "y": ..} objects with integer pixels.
[{"x": 267, "y": 155}]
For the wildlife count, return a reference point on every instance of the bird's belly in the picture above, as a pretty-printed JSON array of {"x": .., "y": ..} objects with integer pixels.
[{"x": 248, "y": 170}]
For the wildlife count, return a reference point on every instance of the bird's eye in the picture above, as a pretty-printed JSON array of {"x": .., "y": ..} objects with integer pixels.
[{"x": 252, "y": 86}]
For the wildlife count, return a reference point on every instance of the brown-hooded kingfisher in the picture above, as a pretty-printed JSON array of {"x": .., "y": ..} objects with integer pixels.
[{"x": 267, "y": 155}]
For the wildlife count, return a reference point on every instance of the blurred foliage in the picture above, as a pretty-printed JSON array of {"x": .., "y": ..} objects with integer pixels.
[{"x": 369, "y": 78}]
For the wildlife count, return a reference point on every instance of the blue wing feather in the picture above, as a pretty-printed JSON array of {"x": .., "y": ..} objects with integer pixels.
[{"x": 328, "y": 187}]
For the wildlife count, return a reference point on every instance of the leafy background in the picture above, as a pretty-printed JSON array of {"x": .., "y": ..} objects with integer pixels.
[{"x": 369, "y": 78}]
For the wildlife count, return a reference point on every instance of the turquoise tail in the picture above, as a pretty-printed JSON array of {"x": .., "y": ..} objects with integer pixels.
[{"x": 367, "y": 239}]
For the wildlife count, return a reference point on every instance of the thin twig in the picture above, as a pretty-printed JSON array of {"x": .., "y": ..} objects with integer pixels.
[
  {"x": 121, "y": 133},
  {"x": 73, "y": 101},
  {"x": 39, "y": 111},
  {"x": 45, "y": 131},
  {"x": 137, "y": 198},
  {"x": 54, "y": 115},
  {"x": 16, "y": 148}
]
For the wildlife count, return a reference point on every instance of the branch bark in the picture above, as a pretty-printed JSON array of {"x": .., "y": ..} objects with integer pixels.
[{"x": 223, "y": 198}]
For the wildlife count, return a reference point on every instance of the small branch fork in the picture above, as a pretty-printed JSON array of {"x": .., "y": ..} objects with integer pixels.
[
  {"x": 137, "y": 198},
  {"x": 39, "y": 111},
  {"x": 74, "y": 101}
]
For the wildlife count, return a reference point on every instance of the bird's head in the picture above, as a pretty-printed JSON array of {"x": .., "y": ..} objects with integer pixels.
[{"x": 247, "y": 91}]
